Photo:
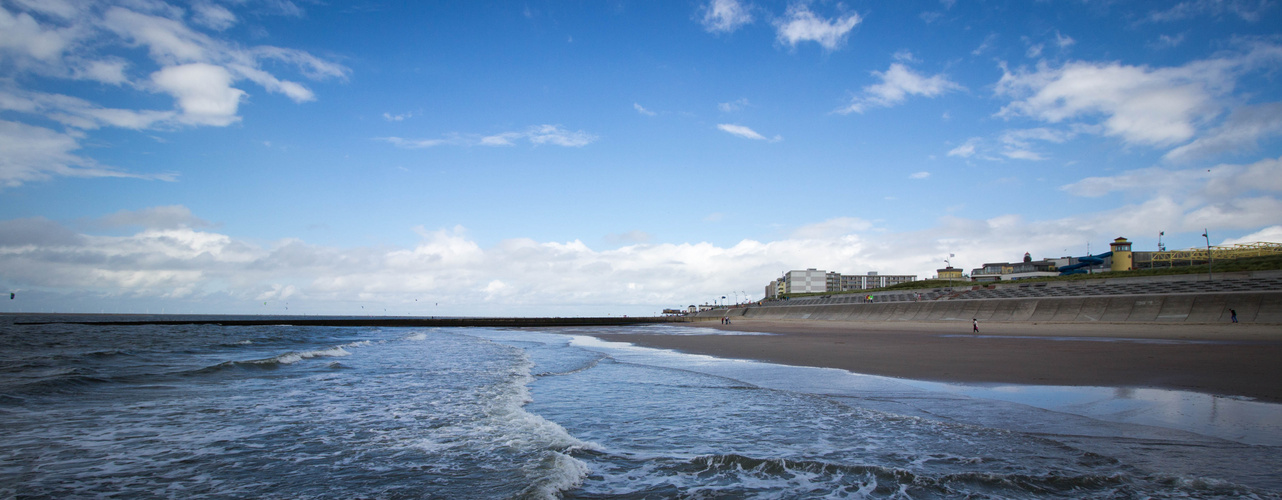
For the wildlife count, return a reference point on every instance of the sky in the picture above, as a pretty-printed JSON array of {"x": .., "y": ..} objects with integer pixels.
[{"x": 607, "y": 158}]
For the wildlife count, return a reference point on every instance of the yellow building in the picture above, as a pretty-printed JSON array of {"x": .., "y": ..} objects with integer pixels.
[
  {"x": 949, "y": 273},
  {"x": 1123, "y": 260}
]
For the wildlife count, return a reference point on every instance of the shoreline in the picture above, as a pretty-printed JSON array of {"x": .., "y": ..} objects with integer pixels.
[{"x": 1238, "y": 360}]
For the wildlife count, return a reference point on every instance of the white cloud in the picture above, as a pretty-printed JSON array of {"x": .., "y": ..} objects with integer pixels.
[
  {"x": 1034, "y": 51},
  {"x": 417, "y": 143},
  {"x": 23, "y": 34},
  {"x": 1022, "y": 154},
  {"x": 1270, "y": 234},
  {"x": 554, "y": 134},
  {"x": 1168, "y": 41},
  {"x": 110, "y": 71},
  {"x": 725, "y": 16},
  {"x": 1145, "y": 106},
  {"x": 180, "y": 265},
  {"x": 897, "y": 83},
  {"x": 1064, "y": 41},
  {"x": 68, "y": 40},
  {"x": 799, "y": 25},
  {"x": 1218, "y": 185},
  {"x": 503, "y": 139},
  {"x": 36, "y": 154},
  {"x": 966, "y": 150},
  {"x": 642, "y": 110},
  {"x": 832, "y": 228},
  {"x": 985, "y": 45},
  {"x": 919, "y": 175},
  {"x": 745, "y": 132},
  {"x": 203, "y": 91},
  {"x": 213, "y": 16},
  {"x": 1248, "y": 10},
  {"x": 396, "y": 118},
  {"x": 166, "y": 217},
  {"x": 1242, "y": 131},
  {"x": 630, "y": 238},
  {"x": 76, "y": 112},
  {"x": 1018, "y": 144},
  {"x": 732, "y": 106},
  {"x": 535, "y": 135}
]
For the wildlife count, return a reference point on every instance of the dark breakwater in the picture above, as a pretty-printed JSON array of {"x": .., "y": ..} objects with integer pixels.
[{"x": 373, "y": 321}]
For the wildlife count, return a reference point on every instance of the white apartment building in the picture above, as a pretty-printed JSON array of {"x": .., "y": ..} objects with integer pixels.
[
  {"x": 873, "y": 280},
  {"x": 808, "y": 281},
  {"x": 819, "y": 281}
]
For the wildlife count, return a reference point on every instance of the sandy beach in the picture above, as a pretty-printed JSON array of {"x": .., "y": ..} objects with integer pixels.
[{"x": 1223, "y": 359}]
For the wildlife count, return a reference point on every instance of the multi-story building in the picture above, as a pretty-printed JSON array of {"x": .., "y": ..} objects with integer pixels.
[
  {"x": 809, "y": 281},
  {"x": 819, "y": 281},
  {"x": 873, "y": 280}
]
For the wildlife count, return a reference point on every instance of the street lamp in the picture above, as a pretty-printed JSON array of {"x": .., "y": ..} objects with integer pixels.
[{"x": 1210, "y": 261}]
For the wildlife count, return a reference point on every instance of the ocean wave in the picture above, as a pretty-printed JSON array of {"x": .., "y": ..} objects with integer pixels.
[
  {"x": 273, "y": 362},
  {"x": 742, "y": 475},
  {"x": 63, "y": 381},
  {"x": 290, "y": 358},
  {"x": 590, "y": 364},
  {"x": 416, "y": 337}
]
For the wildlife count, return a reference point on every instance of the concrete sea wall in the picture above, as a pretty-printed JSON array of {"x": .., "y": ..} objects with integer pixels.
[{"x": 1251, "y": 307}]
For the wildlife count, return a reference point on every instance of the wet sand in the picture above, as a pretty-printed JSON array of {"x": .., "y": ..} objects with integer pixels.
[{"x": 1229, "y": 360}]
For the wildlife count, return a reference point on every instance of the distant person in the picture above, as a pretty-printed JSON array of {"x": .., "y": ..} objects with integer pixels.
[
  {"x": 975, "y": 323},
  {"x": 1233, "y": 315}
]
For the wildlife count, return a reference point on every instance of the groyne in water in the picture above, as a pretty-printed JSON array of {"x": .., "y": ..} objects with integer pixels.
[
  {"x": 1251, "y": 307},
  {"x": 383, "y": 322}
]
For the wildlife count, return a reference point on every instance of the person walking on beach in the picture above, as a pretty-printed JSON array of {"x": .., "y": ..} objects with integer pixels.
[
  {"x": 975, "y": 323},
  {"x": 1233, "y": 315}
]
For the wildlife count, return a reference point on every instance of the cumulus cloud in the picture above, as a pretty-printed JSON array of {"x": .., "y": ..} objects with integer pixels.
[
  {"x": 897, "y": 83},
  {"x": 203, "y": 91},
  {"x": 799, "y": 24},
  {"x": 170, "y": 261},
  {"x": 1144, "y": 106},
  {"x": 43, "y": 41},
  {"x": 725, "y": 16},
  {"x": 555, "y": 135},
  {"x": 745, "y": 132}
]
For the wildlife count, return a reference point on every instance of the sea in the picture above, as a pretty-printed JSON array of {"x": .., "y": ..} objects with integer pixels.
[{"x": 209, "y": 411}]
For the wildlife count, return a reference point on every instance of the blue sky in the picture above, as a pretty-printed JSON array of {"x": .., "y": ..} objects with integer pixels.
[{"x": 594, "y": 158}]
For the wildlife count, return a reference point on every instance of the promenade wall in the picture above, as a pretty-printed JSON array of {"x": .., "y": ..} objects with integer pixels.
[{"x": 1251, "y": 307}]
